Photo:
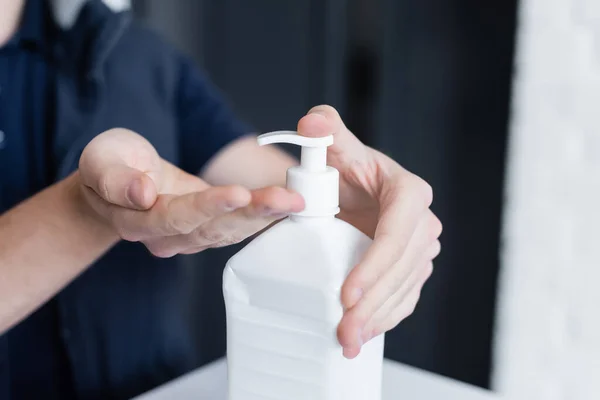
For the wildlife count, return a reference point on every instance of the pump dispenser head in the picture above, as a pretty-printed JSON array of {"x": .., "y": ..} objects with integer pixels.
[{"x": 313, "y": 179}]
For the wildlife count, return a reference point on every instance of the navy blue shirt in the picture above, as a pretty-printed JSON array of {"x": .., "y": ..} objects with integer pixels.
[
  {"x": 25, "y": 123},
  {"x": 23, "y": 85},
  {"x": 121, "y": 327}
]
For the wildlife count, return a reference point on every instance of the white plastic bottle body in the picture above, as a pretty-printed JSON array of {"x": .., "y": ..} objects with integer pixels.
[{"x": 282, "y": 295}]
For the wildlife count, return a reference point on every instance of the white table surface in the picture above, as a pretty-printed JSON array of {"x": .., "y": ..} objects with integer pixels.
[{"x": 399, "y": 382}]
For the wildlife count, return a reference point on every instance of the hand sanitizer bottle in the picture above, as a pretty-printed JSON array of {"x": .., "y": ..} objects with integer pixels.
[{"x": 282, "y": 295}]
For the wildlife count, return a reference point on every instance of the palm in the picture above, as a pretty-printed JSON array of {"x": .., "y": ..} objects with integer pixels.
[
  {"x": 358, "y": 198},
  {"x": 123, "y": 147}
]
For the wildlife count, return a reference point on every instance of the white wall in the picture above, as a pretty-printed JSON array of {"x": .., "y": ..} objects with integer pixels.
[{"x": 548, "y": 334}]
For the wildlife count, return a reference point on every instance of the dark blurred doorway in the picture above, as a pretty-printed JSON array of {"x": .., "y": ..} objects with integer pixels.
[{"x": 427, "y": 82}]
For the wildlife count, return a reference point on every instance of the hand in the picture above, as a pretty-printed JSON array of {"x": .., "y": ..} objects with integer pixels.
[
  {"x": 145, "y": 198},
  {"x": 391, "y": 205}
]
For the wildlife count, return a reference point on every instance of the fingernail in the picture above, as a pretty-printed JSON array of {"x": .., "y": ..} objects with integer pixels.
[
  {"x": 319, "y": 112},
  {"x": 266, "y": 211},
  {"x": 351, "y": 352},
  {"x": 269, "y": 212},
  {"x": 228, "y": 207},
  {"x": 347, "y": 352},
  {"x": 360, "y": 341},
  {"x": 279, "y": 215}
]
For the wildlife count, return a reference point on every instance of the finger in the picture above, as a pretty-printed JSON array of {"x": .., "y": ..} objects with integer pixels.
[
  {"x": 267, "y": 206},
  {"x": 434, "y": 250},
  {"x": 406, "y": 307},
  {"x": 324, "y": 120},
  {"x": 178, "y": 215},
  {"x": 381, "y": 320},
  {"x": 271, "y": 202},
  {"x": 401, "y": 211},
  {"x": 125, "y": 186},
  {"x": 356, "y": 318},
  {"x": 351, "y": 352},
  {"x": 122, "y": 168},
  {"x": 417, "y": 277},
  {"x": 179, "y": 182},
  {"x": 174, "y": 215}
]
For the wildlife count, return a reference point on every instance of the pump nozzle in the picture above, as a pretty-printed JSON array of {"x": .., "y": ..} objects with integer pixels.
[
  {"x": 314, "y": 150},
  {"x": 313, "y": 179}
]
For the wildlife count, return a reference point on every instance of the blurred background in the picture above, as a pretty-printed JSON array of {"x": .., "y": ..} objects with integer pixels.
[
  {"x": 496, "y": 104},
  {"x": 427, "y": 82}
]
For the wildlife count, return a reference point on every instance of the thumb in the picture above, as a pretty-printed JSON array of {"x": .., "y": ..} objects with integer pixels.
[
  {"x": 325, "y": 120},
  {"x": 125, "y": 186},
  {"x": 106, "y": 167}
]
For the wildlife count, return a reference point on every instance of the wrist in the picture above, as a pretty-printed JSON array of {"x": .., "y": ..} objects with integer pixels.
[{"x": 82, "y": 210}]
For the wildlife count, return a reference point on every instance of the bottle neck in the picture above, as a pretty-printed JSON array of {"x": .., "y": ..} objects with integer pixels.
[
  {"x": 320, "y": 190},
  {"x": 313, "y": 159}
]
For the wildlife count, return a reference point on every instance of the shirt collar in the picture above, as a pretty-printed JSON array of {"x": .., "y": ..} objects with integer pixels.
[{"x": 35, "y": 26}]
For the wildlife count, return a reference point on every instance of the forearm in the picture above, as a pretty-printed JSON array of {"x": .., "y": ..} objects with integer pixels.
[
  {"x": 45, "y": 242},
  {"x": 245, "y": 162}
]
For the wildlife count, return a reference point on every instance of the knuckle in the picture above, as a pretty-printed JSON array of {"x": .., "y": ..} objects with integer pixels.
[
  {"x": 358, "y": 280},
  {"x": 194, "y": 250},
  {"x": 418, "y": 188},
  {"x": 435, "y": 250},
  {"x": 103, "y": 184},
  {"x": 200, "y": 207},
  {"x": 428, "y": 271},
  {"x": 435, "y": 227},
  {"x": 393, "y": 284},
  {"x": 161, "y": 251},
  {"x": 174, "y": 224},
  {"x": 228, "y": 241},
  {"x": 425, "y": 191},
  {"x": 404, "y": 313},
  {"x": 210, "y": 236},
  {"x": 178, "y": 225},
  {"x": 123, "y": 231},
  {"x": 128, "y": 235},
  {"x": 413, "y": 302},
  {"x": 412, "y": 306},
  {"x": 181, "y": 226},
  {"x": 359, "y": 316},
  {"x": 408, "y": 309}
]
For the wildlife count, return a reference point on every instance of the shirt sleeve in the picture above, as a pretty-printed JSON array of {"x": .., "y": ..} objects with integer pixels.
[{"x": 207, "y": 123}]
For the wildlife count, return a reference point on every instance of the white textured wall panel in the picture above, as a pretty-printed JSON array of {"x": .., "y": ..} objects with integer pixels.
[{"x": 548, "y": 327}]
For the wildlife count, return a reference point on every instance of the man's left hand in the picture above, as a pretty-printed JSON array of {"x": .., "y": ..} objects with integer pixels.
[{"x": 391, "y": 205}]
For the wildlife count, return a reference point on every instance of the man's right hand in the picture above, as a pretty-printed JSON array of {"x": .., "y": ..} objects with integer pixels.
[{"x": 144, "y": 198}]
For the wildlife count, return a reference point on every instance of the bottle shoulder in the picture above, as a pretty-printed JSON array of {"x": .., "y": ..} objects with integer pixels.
[{"x": 310, "y": 251}]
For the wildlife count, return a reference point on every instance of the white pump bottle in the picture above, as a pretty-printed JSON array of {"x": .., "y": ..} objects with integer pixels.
[{"x": 282, "y": 295}]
